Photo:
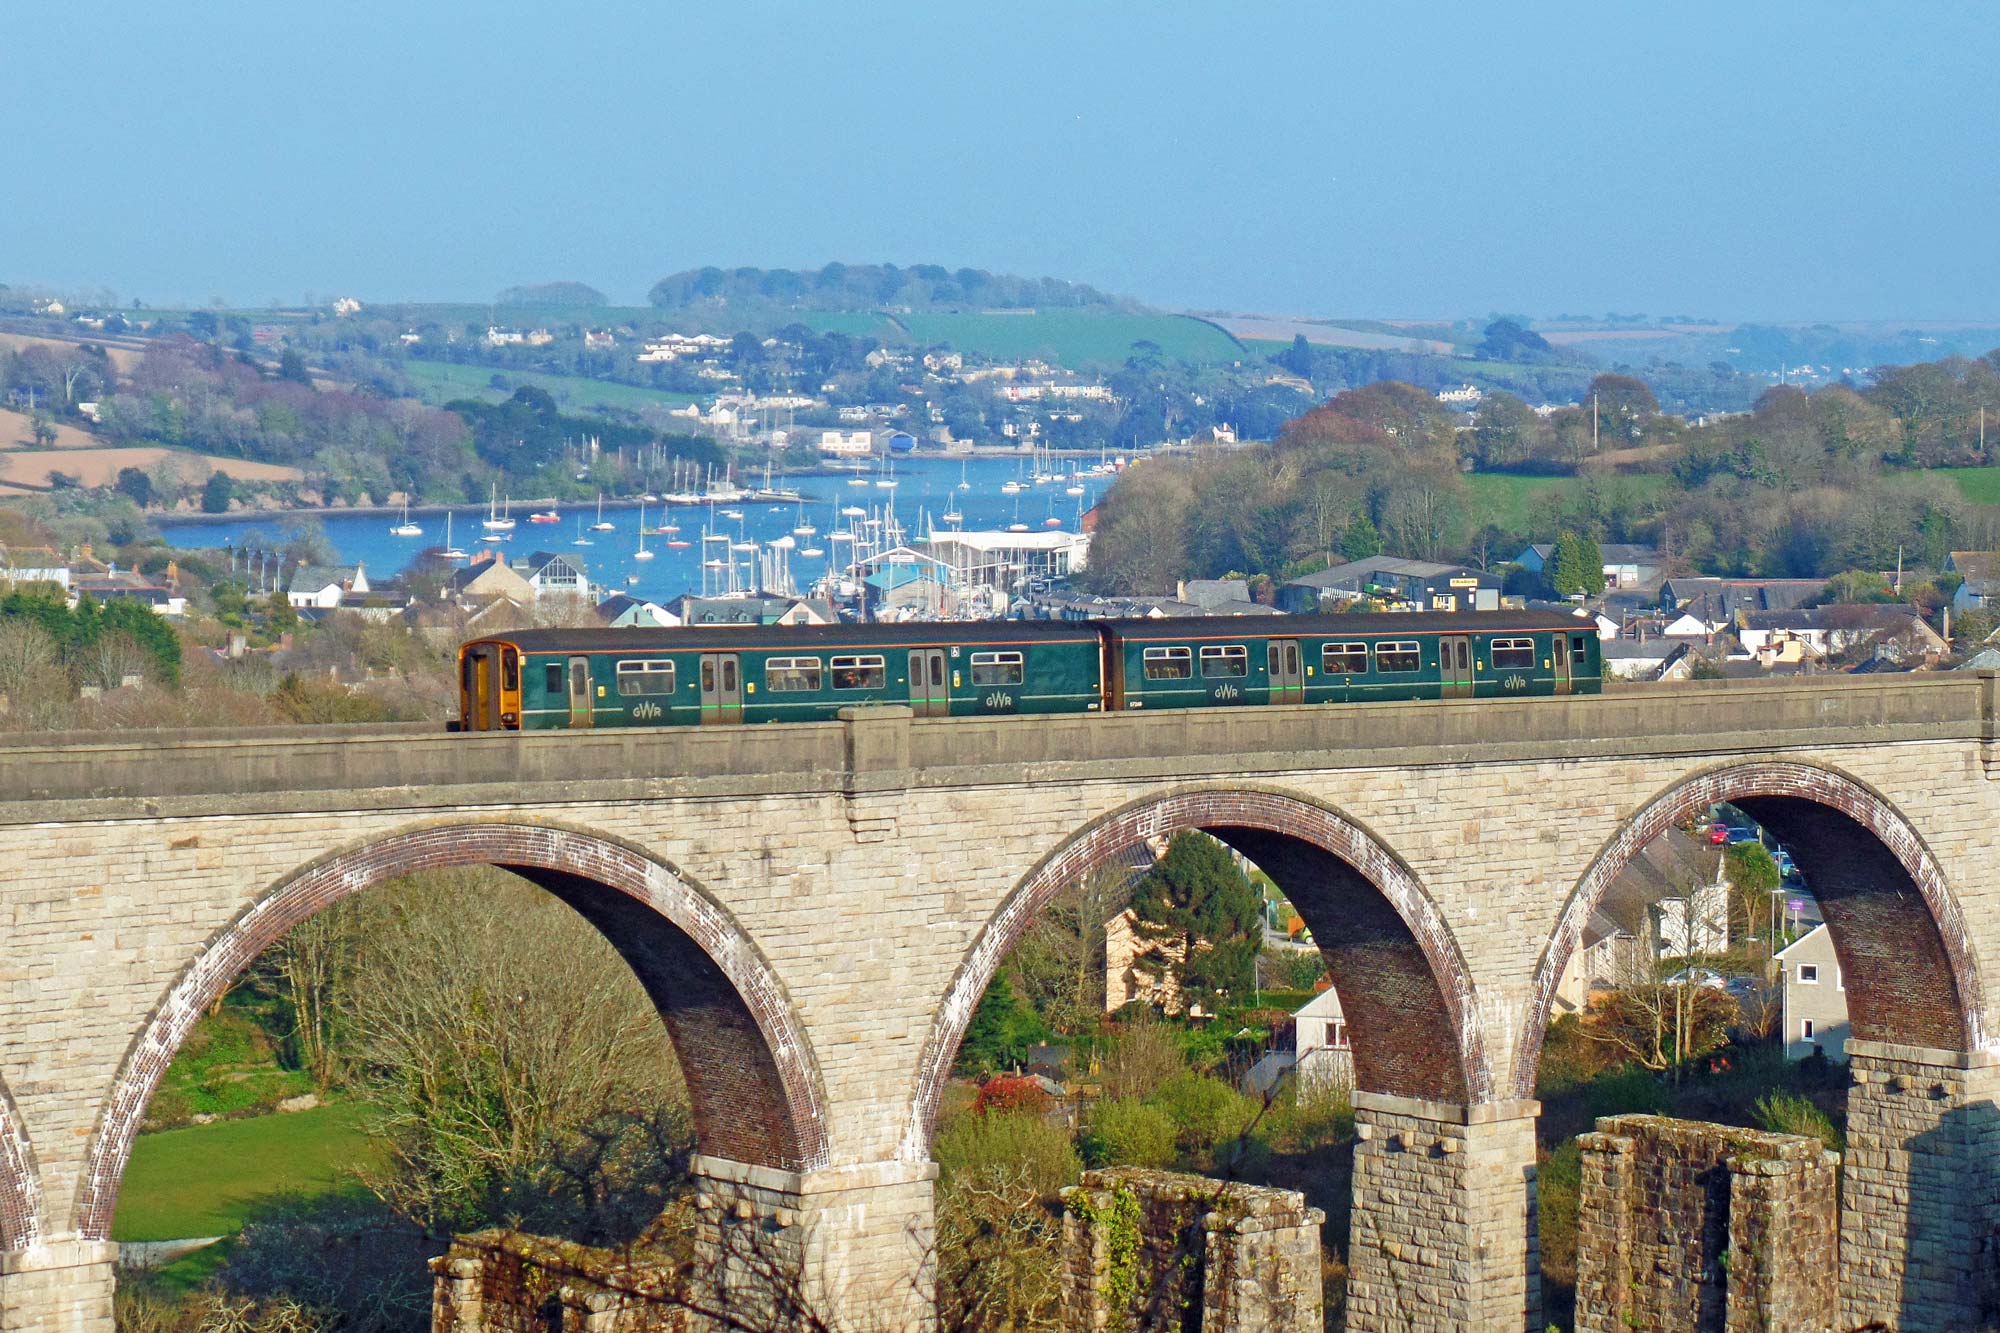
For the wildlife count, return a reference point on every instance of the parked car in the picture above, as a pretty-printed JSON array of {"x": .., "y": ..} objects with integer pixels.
[
  {"x": 1705, "y": 977},
  {"x": 1737, "y": 833}
]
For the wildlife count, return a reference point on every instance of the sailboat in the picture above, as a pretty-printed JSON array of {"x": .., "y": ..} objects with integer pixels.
[
  {"x": 603, "y": 524},
  {"x": 964, "y": 484},
  {"x": 406, "y": 528},
  {"x": 451, "y": 552},
  {"x": 496, "y": 521},
  {"x": 581, "y": 540},
  {"x": 642, "y": 553},
  {"x": 805, "y": 527}
]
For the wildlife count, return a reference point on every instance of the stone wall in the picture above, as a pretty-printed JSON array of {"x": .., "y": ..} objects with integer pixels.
[
  {"x": 1685, "y": 1227},
  {"x": 504, "y": 1282},
  {"x": 1146, "y": 1250},
  {"x": 1918, "y": 1223}
]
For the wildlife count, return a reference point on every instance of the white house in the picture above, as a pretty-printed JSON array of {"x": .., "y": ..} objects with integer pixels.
[
  {"x": 1319, "y": 1055},
  {"x": 323, "y": 586},
  {"x": 1815, "y": 997},
  {"x": 622, "y": 612},
  {"x": 847, "y": 443}
]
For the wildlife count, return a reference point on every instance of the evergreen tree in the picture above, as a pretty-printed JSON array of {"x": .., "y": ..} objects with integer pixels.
[
  {"x": 217, "y": 492},
  {"x": 1577, "y": 566},
  {"x": 1001, "y": 1031},
  {"x": 1201, "y": 919},
  {"x": 1360, "y": 540}
]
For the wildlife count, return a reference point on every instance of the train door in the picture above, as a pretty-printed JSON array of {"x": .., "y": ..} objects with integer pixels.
[
  {"x": 1560, "y": 657},
  {"x": 580, "y": 702},
  {"x": 929, "y": 695},
  {"x": 1288, "y": 680},
  {"x": 1455, "y": 666},
  {"x": 482, "y": 688},
  {"x": 721, "y": 689}
]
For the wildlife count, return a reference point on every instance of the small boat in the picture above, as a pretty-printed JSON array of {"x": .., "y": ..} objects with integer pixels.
[
  {"x": 782, "y": 543},
  {"x": 857, "y": 481},
  {"x": 1051, "y": 522},
  {"x": 631, "y": 580},
  {"x": 496, "y": 520},
  {"x": 736, "y": 514},
  {"x": 669, "y": 528},
  {"x": 451, "y": 552},
  {"x": 854, "y": 511},
  {"x": 963, "y": 483},
  {"x": 1011, "y": 488},
  {"x": 546, "y": 516},
  {"x": 677, "y": 545},
  {"x": 1072, "y": 490},
  {"x": 642, "y": 553},
  {"x": 406, "y": 528},
  {"x": 581, "y": 540},
  {"x": 497, "y": 537},
  {"x": 811, "y": 552},
  {"x": 603, "y": 524},
  {"x": 743, "y": 546}
]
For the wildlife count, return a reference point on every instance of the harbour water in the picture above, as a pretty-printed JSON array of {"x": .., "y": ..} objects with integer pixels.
[{"x": 925, "y": 489}]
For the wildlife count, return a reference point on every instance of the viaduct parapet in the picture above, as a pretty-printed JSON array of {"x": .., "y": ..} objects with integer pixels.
[{"x": 816, "y": 908}]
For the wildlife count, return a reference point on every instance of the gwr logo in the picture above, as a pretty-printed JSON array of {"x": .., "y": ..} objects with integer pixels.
[
  {"x": 647, "y": 712},
  {"x": 998, "y": 699},
  {"x": 1228, "y": 692},
  {"x": 1514, "y": 683}
]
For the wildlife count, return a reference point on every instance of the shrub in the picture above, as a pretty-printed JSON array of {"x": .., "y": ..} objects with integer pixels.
[
  {"x": 1206, "y": 1112},
  {"x": 1304, "y": 1120},
  {"x": 1005, "y": 1093},
  {"x": 1028, "y": 1149},
  {"x": 1628, "y": 1091},
  {"x": 1788, "y": 1113},
  {"x": 1139, "y": 1059},
  {"x": 1128, "y": 1133}
]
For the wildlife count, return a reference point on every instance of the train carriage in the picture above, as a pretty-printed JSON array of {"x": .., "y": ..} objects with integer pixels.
[
  {"x": 713, "y": 675},
  {"x": 718, "y": 675}
]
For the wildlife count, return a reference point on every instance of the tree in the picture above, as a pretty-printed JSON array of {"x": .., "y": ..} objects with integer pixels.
[
  {"x": 1578, "y": 566},
  {"x": 1201, "y": 917},
  {"x": 292, "y": 367},
  {"x": 1753, "y": 876},
  {"x": 136, "y": 486},
  {"x": 44, "y": 430},
  {"x": 217, "y": 492},
  {"x": 1360, "y": 539},
  {"x": 1001, "y": 1031}
]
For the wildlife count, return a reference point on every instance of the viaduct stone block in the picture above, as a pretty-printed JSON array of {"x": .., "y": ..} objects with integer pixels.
[
  {"x": 1686, "y": 1227},
  {"x": 1151, "y": 1250}
]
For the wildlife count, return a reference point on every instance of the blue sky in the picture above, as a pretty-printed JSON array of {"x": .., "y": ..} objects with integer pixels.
[{"x": 1766, "y": 161}]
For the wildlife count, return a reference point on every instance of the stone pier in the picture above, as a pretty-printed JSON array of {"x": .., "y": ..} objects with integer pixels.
[
  {"x": 847, "y": 1247},
  {"x": 1443, "y": 1234},
  {"x": 1918, "y": 1214},
  {"x": 61, "y": 1286}
]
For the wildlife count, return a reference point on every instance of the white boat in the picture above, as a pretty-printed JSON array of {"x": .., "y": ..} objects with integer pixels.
[
  {"x": 1011, "y": 488},
  {"x": 642, "y": 553},
  {"x": 631, "y": 580},
  {"x": 811, "y": 552},
  {"x": 1072, "y": 490},
  {"x": 497, "y": 537},
  {"x": 603, "y": 524},
  {"x": 451, "y": 552},
  {"x": 963, "y": 483},
  {"x": 951, "y": 515},
  {"x": 406, "y": 528},
  {"x": 854, "y": 511},
  {"x": 736, "y": 514},
  {"x": 581, "y": 540},
  {"x": 496, "y": 521},
  {"x": 782, "y": 543}
]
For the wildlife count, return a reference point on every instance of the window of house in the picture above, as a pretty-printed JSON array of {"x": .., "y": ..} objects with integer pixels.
[
  {"x": 860, "y": 673},
  {"x": 1336, "y": 1034},
  {"x": 1168, "y": 663},
  {"x": 997, "y": 669},
  {"x": 1805, "y": 1029},
  {"x": 791, "y": 675},
  {"x": 1224, "y": 659},
  {"x": 1809, "y": 974},
  {"x": 1513, "y": 654},
  {"x": 1398, "y": 655},
  {"x": 640, "y": 677},
  {"x": 1344, "y": 659}
]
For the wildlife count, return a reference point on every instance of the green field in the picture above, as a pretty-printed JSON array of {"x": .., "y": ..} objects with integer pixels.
[
  {"x": 204, "y": 1180},
  {"x": 1510, "y": 502},
  {"x": 1073, "y": 338},
  {"x": 1979, "y": 485},
  {"x": 440, "y": 381}
]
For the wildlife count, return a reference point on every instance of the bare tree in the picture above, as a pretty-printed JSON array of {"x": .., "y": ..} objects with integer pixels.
[
  {"x": 27, "y": 653},
  {"x": 113, "y": 658}
]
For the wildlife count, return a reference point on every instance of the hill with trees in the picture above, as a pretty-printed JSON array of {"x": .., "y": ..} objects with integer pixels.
[
  {"x": 552, "y": 293},
  {"x": 852, "y": 287}
]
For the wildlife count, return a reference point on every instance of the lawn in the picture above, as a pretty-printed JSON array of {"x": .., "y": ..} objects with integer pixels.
[
  {"x": 1076, "y": 339},
  {"x": 442, "y": 380},
  {"x": 1510, "y": 501},
  {"x": 203, "y": 1180},
  {"x": 1979, "y": 485}
]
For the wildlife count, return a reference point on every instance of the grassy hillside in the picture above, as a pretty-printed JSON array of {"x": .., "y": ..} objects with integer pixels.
[
  {"x": 1513, "y": 502},
  {"x": 203, "y": 1180},
  {"x": 1073, "y": 338},
  {"x": 441, "y": 381}
]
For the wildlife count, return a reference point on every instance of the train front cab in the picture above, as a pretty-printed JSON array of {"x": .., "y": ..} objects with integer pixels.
[{"x": 489, "y": 686}]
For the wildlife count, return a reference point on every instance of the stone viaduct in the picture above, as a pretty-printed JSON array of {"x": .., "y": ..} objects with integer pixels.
[{"x": 817, "y": 907}]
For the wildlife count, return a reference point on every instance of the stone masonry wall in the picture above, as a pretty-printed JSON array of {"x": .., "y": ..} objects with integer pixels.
[
  {"x": 60, "y": 1288},
  {"x": 1918, "y": 1225},
  {"x": 1443, "y": 1233},
  {"x": 1685, "y": 1227},
  {"x": 503, "y": 1282},
  {"x": 1157, "y": 1250}
]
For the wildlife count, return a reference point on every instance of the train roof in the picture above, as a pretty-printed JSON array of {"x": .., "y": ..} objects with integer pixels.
[
  {"x": 684, "y": 638},
  {"x": 920, "y": 634},
  {"x": 1371, "y": 625}
]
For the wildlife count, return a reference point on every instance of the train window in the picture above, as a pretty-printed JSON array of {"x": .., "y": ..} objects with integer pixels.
[
  {"x": 1168, "y": 663},
  {"x": 997, "y": 669},
  {"x": 859, "y": 673},
  {"x": 1513, "y": 654},
  {"x": 791, "y": 675},
  {"x": 1224, "y": 659},
  {"x": 1580, "y": 643},
  {"x": 1344, "y": 659},
  {"x": 510, "y": 669},
  {"x": 552, "y": 682},
  {"x": 642, "y": 677},
  {"x": 1399, "y": 655}
]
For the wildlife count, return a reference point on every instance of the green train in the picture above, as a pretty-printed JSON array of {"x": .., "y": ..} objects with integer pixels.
[{"x": 545, "y": 679}]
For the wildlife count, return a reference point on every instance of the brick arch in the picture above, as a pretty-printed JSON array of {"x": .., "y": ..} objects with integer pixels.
[
  {"x": 1395, "y": 963},
  {"x": 1904, "y": 949},
  {"x": 755, "y": 1090},
  {"x": 20, "y": 1181}
]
